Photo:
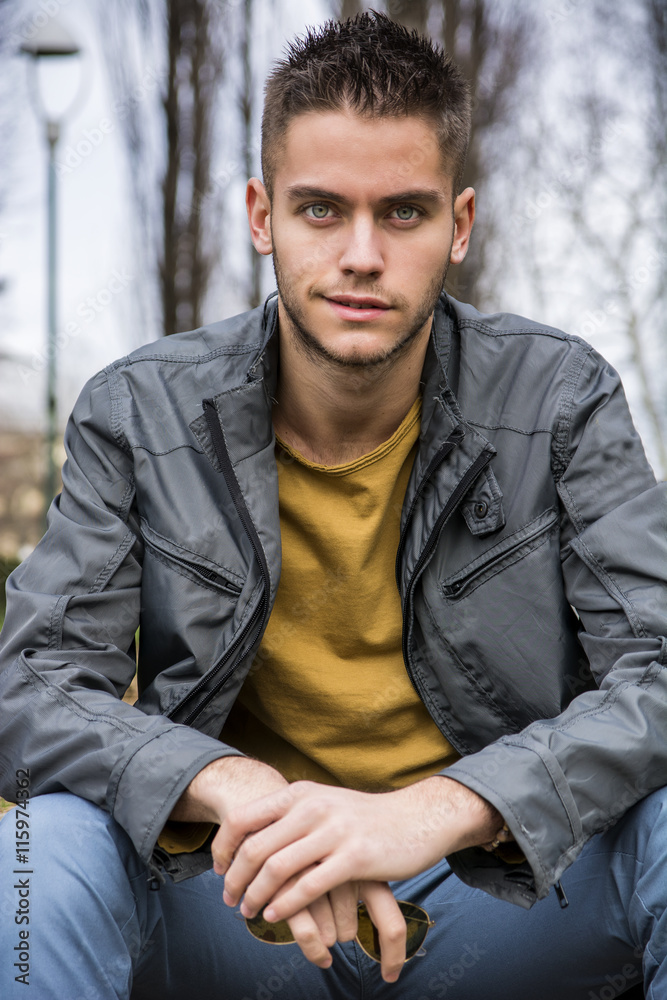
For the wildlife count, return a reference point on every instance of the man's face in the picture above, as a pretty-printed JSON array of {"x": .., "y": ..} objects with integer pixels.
[{"x": 361, "y": 228}]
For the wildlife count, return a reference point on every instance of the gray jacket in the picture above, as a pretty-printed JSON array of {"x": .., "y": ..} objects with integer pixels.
[{"x": 531, "y": 568}]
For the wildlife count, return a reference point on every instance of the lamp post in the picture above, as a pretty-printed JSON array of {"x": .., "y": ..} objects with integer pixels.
[{"x": 53, "y": 43}]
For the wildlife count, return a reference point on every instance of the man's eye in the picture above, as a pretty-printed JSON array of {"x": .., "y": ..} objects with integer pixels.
[
  {"x": 406, "y": 213},
  {"x": 317, "y": 211}
]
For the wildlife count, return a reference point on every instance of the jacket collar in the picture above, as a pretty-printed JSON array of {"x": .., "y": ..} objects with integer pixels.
[{"x": 245, "y": 416}]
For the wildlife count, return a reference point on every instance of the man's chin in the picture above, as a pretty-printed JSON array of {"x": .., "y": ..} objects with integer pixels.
[{"x": 367, "y": 351}]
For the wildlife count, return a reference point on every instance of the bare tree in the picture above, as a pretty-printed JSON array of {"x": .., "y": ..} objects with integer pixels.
[
  {"x": 412, "y": 13},
  {"x": 493, "y": 46},
  {"x": 600, "y": 178},
  {"x": 246, "y": 105},
  {"x": 189, "y": 247},
  {"x": 186, "y": 50}
]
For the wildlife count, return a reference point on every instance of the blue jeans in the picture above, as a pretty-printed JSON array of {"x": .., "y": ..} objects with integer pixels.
[{"x": 96, "y": 930}]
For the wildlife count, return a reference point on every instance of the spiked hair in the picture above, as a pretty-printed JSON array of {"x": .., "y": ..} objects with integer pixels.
[{"x": 375, "y": 67}]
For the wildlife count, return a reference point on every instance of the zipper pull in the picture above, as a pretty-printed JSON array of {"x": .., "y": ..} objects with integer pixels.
[
  {"x": 155, "y": 877},
  {"x": 562, "y": 898}
]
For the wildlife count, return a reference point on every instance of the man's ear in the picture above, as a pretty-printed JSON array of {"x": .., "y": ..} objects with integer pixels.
[
  {"x": 259, "y": 215},
  {"x": 464, "y": 216}
]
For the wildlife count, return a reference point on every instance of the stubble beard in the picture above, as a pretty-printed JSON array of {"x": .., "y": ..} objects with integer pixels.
[{"x": 382, "y": 360}]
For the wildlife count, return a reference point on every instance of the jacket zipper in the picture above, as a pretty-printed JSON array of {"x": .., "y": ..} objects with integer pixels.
[
  {"x": 215, "y": 578},
  {"x": 459, "y": 492},
  {"x": 454, "y": 590},
  {"x": 234, "y": 654},
  {"x": 454, "y": 438}
]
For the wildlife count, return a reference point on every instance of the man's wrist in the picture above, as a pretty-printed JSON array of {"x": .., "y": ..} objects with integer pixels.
[
  {"x": 466, "y": 819},
  {"x": 221, "y": 785}
]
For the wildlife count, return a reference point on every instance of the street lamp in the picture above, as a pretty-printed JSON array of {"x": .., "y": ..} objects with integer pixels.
[{"x": 51, "y": 44}]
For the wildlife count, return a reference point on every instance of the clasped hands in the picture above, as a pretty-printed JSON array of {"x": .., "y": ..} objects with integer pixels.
[{"x": 308, "y": 852}]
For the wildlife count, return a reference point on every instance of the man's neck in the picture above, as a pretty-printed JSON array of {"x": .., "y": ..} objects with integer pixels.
[{"x": 334, "y": 414}]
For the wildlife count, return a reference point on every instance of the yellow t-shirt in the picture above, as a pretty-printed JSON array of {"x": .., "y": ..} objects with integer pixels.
[{"x": 328, "y": 697}]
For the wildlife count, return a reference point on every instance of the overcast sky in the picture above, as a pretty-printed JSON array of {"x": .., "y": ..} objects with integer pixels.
[{"x": 98, "y": 318}]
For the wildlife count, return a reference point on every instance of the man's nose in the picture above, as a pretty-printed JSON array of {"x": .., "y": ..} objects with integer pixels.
[{"x": 362, "y": 250}]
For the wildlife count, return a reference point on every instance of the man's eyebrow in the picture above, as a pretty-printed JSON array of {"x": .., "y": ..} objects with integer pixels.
[{"x": 428, "y": 195}]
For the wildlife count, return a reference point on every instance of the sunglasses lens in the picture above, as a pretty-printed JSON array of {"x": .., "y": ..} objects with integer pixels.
[
  {"x": 416, "y": 921},
  {"x": 367, "y": 934},
  {"x": 278, "y": 933}
]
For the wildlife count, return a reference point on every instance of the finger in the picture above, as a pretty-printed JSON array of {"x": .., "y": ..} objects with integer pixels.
[
  {"x": 390, "y": 923},
  {"x": 307, "y": 935},
  {"x": 244, "y": 820},
  {"x": 314, "y": 931},
  {"x": 262, "y": 869},
  {"x": 343, "y": 899},
  {"x": 306, "y": 887},
  {"x": 322, "y": 913}
]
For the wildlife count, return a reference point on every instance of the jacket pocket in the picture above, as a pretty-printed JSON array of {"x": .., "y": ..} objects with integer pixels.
[
  {"x": 499, "y": 557},
  {"x": 190, "y": 564}
]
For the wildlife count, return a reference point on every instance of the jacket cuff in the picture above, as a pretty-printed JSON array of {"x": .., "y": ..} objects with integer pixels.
[
  {"x": 151, "y": 776},
  {"x": 546, "y": 827}
]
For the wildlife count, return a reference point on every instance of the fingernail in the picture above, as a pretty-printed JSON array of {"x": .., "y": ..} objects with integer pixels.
[
  {"x": 228, "y": 898},
  {"x": 270, "y": 914}
]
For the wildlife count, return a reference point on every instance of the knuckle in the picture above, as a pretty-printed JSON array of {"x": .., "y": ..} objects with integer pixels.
[
  {"x": 233, "y": 821},
  {"x": 252, "y": 849},
  {"x": 275, "y": 866},
  {"x": 395, "y": 932},
  {"x": 309, "y": 939}
]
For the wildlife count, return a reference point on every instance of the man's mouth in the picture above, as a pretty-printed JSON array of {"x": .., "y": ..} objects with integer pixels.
[
  {"x": 357, "y": 308},
  {"x": 354, "y": 302}
]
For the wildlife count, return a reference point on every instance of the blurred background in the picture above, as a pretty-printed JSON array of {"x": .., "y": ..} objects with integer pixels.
[{"x": 128, "y": 129}]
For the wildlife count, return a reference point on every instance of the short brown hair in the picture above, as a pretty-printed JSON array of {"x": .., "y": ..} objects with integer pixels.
[{"x": 373, "y": 66}]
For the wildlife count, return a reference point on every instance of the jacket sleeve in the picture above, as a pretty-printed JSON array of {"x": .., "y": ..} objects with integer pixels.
[
  {"x": 561, "y": 780},
  {"x": 67, "y": 648}
]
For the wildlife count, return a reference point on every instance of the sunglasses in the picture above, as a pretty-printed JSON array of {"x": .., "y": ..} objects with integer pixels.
[{"x": 417, "y": 923}]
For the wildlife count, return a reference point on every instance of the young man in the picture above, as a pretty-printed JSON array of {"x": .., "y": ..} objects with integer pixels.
[{"x": 451, "y": 666}]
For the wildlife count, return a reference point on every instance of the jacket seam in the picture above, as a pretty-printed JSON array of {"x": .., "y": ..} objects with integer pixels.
[
  {"x": 614, "y": 589},
  {"x": 190, "y": 359},
  {"x": 115, "y": 416},
  {"x": 563, "y": 428},
  {"x": 571, "y": 506},
  {"x": 520, "y": 331},
  {"x": 69, "y": 702},
  {"x": 510, "y": 427},
  {"x": 55, "y": 635},
  {"x": 609, "y": 699},
  {"x": 123, "y": 510},
  {"x": 167, "y": 451},
  {"x": 112, "y": 563}
]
